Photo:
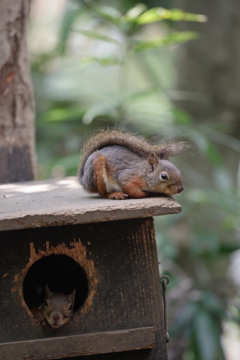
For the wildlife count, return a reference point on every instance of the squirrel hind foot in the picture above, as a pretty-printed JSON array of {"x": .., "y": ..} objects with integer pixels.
[{"x": 117, "y": 195}]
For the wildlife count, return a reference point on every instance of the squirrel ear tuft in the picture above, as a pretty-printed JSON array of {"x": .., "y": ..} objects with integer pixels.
[
  {"x": 153, "y": 160},
  {"x": 164, "y": 156}
]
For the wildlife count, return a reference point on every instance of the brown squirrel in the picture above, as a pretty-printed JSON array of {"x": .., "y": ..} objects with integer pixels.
[
  {"x": 57, "y": 308},
  {"x": 117, "y": 164}
]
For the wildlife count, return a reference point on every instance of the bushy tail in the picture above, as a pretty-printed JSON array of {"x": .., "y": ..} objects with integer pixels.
[{"x": 135, "y": 143}]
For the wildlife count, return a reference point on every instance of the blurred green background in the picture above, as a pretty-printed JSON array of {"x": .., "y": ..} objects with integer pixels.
[{"x": 164, "y": 73}]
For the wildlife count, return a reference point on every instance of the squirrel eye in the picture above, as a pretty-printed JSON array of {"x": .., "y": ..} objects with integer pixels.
[
  {"x": 164, "y": 176},
  {"x": 45, "y": 303},
  {"x": 70, "y": 307}
]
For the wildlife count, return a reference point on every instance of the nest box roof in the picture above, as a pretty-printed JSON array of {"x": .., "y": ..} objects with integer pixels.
[{"x": 63, "y": 202}]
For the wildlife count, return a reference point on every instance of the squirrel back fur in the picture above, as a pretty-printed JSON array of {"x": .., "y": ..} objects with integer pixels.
[
  {"x": 117, "y": 164},
  {"x": 135, "y": 143}
]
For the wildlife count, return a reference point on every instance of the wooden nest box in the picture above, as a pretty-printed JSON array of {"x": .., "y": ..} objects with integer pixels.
[{"x": 51, "y": 232}]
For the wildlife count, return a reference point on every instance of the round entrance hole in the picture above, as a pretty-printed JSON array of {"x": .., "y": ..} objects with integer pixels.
[{"x": 61, "y": 273}]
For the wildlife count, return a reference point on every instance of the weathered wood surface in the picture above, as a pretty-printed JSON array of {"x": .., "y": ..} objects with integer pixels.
[
  {"x": 64, "y": 202},
  {"x": 127, "y": 294},
  {"x": 17, "y": 134},
  {"x": 78, "y": 345}
]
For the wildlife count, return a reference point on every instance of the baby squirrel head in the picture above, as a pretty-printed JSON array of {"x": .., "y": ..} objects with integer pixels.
[
  {"x": 57, "y": 307},
  {"x": 163, "y": 176}
]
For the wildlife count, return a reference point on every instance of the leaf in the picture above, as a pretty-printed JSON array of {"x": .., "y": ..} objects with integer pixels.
[
  {"x": 61, "y": 114},
  {"x": 95, "y": 35},
  {"x": 174, "y": 38},
  {"x": 96, "y": 111},
  {"x": 134, "y": 12},
  {"x": 184, "y": 319},
  {"x": 158, "y": 14},
  {"x": 104, "y": 61},
  {"x": 213, "y": 154},
  {"x": 230, "y": 222},
  {"x": 67, "y": 21},
  {"x": 142, "y": 94},
  {"x": 207, "y": 336},
  {"x": 182, "y": 117},
  {"x": 108, "y": 13}
]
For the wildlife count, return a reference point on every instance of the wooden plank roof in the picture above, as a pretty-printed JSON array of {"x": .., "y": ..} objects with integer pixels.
[{"x": 59, "y": 202}]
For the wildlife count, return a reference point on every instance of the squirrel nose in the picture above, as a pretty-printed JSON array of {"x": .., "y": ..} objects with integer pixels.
[
  {"x": 56, "y": 317},
  {"x": 180, "y": 189}
]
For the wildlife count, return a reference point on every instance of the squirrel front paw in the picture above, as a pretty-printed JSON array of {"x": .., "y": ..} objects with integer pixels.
[
  {"x": 39, "y": 315},
  {"x": 117, "y": 196}
]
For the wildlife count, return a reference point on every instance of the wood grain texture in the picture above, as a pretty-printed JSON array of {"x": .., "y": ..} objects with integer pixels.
[
  {"x": 127, "y": 293},
  {"x": 86, "y": 344},
  {"x": 17, "y": 134},
  {"x": 64, "y": 202}
]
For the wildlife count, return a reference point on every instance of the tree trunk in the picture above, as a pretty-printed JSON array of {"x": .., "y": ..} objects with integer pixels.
[
  {"x": 17, "y": 139},
  {"x": 209, "y": 68}
]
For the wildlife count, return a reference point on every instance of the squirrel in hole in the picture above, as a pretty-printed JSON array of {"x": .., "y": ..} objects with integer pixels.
[
  {"x": 117, "y": 165},
  {"x": 57, "y": 308}
]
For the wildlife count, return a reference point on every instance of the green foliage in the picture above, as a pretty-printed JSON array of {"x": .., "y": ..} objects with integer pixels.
[
  {"x": 174, "y": 38},
  {"x": 118, "y": 74},
  {"x": 98, "y": 36},
  {"x": 159, "y": 14}
]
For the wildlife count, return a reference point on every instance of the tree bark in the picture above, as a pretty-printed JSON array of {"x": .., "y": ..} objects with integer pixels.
[
  {"x": 209, "y": 68},
  {"x": 17, "y": 139}
]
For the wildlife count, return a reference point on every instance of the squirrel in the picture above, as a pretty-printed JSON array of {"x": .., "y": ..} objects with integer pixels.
[
  {"x": 117, "y": 164},
  {"x": 57, "y": 308}
]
